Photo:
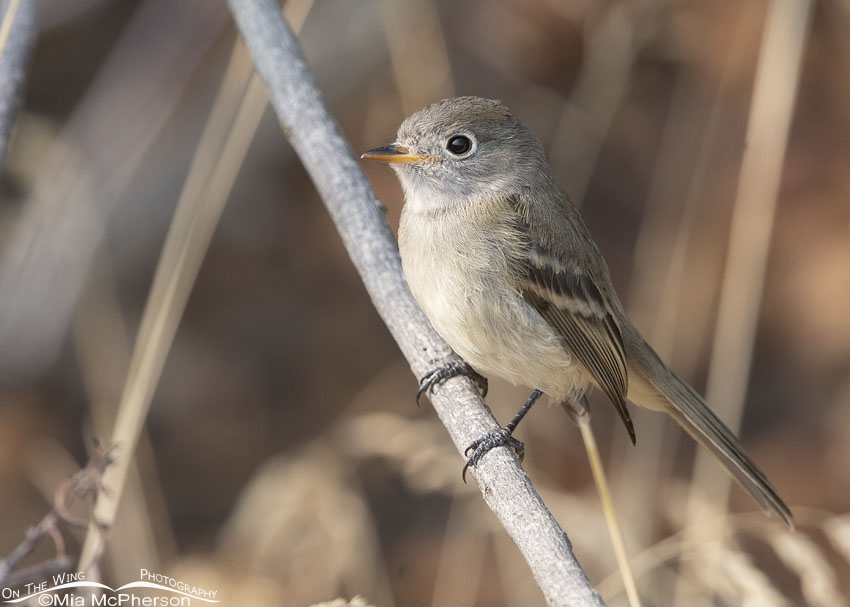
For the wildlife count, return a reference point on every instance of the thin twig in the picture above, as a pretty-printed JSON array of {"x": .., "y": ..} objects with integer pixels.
[
  {"x": 17, "y": 32},
  {"x": 771, "y": 111},
  {"x": 83, "y": 484},
  {"x": 614, "y": 529},
  {"x": 198, "y": 211},
  {"x": 658, "y": 282},
  {"x": 373, "y": 250},
  {"x": 205, "y": 192}
]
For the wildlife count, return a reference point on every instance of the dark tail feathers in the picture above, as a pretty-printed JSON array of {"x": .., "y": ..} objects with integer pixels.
[{"x": 692, "y": 413}]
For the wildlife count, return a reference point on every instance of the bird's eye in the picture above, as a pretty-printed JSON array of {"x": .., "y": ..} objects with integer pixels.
[{"x": 459, "y": 145}]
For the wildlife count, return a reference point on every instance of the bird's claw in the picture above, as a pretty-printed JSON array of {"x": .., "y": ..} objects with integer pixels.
[
  {"x": 480, "y": 447},
  {"x": 447, "y": 371}
]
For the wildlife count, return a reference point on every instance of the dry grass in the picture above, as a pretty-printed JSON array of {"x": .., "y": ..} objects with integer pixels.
[{"x": 280, "y": 456}]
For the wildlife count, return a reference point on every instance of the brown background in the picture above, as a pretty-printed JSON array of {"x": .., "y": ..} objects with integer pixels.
[{"x": 284, "y": 460}]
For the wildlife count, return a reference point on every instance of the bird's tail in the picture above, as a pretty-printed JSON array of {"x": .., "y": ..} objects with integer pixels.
[{"x": 651, "y": 379}]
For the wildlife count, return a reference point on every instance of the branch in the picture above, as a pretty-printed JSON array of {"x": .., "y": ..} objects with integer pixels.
[
  {"x": 366, "y": 235},
  {"x": 17, "y": 32}
]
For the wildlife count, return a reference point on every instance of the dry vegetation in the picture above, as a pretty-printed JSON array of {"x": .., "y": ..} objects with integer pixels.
[{"x": 283, "y": 460}]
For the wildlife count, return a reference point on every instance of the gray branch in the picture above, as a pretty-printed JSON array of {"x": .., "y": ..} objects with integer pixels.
[
  {"x": 370, "y": 243},
  {"x": 17, "y": 32}
]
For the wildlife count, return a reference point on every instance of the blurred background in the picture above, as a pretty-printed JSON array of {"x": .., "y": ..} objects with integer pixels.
[{"x": 283, "y": 460}]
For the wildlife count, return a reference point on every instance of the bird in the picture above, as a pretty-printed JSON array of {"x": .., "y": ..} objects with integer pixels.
[{"x": 505, "y": 269}]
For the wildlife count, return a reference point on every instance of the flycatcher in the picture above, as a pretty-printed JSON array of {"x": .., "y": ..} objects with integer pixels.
[{"x": 508, "y": 274}]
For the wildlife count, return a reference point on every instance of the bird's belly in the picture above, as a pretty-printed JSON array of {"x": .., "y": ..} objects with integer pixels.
[
  {"x": 520, "y": 347},
  {"x": 487, "y": 322}
]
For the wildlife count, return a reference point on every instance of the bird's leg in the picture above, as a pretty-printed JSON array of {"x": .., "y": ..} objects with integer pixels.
[
  {"x": 502, "y": 436},
  {"x": 437, "y": 376}
]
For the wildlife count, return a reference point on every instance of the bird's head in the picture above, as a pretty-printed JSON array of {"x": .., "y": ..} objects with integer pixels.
[{"x": 462, "y": 149}]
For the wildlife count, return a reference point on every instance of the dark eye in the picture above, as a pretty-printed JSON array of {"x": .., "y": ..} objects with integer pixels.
[{"x": 459, "y": 144}]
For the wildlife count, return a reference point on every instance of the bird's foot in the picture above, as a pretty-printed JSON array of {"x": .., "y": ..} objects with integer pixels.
[
  {"x": 483, "y": 445},
  {"x": 439, "y": 375},
  {"x": 502, "y": 436}
]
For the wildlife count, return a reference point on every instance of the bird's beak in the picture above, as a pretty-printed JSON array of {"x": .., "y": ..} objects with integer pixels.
[{"x": 395, "y": 153}]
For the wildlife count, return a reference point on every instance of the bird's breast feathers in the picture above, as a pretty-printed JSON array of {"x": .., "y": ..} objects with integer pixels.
[{"x": 460, "y": 281}]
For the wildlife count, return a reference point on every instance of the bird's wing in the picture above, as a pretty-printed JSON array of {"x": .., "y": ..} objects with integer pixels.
[{"x": 569, "y": 298}]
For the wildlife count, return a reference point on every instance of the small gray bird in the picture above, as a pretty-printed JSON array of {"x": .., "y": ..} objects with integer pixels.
[{"x": 506, "y": 271}]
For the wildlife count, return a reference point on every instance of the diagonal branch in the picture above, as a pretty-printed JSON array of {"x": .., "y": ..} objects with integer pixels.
[
  {"x": 366, "y": 235},
  {"x": 17, "y": 32}
]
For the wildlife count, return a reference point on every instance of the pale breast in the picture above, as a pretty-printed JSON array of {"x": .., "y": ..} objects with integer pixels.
[{"x": 459, "y": 278}]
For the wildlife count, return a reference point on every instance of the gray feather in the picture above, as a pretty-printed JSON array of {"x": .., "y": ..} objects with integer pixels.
[
  {"x": 569, "y": 301},
  {"x": 508, "y": 273},
  {"x": 692, "y": 413}
]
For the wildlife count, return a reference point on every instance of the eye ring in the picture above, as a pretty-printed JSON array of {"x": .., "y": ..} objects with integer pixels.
[{"x": 459, "y": 145}]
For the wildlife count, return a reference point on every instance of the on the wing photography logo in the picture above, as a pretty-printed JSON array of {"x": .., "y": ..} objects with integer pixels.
[{"x": 73, "y": 590}]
